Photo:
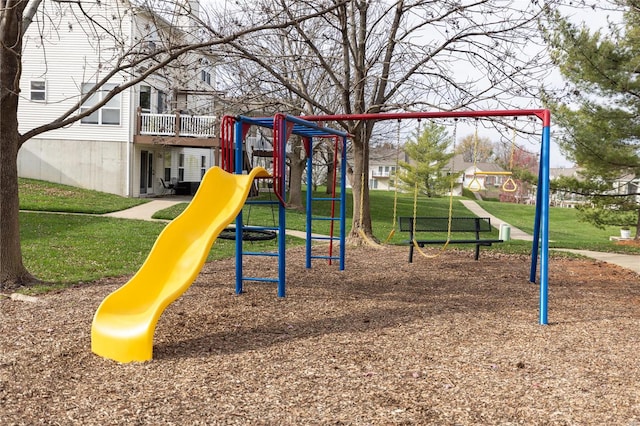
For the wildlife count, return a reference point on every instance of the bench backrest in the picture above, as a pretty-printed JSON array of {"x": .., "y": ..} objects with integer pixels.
[{"x": 441, "y": 224}]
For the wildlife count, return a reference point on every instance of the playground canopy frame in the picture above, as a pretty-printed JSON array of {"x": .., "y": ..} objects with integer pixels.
[
  {"x": 283, "y": 127},
  {"x": 541, "y": 221}
]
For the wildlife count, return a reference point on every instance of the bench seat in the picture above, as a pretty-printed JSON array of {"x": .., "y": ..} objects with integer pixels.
[{"x": 471, "y": 225}]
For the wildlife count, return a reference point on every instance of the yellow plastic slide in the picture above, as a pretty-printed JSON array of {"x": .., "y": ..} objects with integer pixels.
[{"x": 124, "y": 324}]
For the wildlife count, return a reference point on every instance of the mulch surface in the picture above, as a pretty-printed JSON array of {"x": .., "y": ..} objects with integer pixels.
[{"x": 441, "y": 341}]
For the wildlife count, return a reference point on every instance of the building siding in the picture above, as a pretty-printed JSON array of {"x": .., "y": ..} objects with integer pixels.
[
  {"x": 89, "y": 164},
  {"x": 47, "y": 57},
  {"x": 65, "y": 52}
]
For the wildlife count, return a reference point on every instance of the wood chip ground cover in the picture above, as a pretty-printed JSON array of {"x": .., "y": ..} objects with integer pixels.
[{"x": 440, "y": 341}]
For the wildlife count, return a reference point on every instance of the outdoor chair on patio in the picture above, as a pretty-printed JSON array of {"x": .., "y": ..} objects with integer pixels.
[{"x": 169, "y": 188}]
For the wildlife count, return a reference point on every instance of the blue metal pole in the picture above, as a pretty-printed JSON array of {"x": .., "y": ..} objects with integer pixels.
[
  {"x": 282, "y": 219},
  {"x": 343, "y": 202},
  {"x": 536, "y": 224},
  {"x": 239, "y": 224},
  {"x": 544, "y": 255},
  {"x": 309, "y": 202},
  {"x": 239, "y": 249}
]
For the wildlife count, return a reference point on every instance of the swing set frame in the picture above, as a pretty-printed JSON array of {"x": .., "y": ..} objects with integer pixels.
[{"x": 540, "y": 245}]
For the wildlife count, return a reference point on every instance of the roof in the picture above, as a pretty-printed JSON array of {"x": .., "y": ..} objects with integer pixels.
[{"x": 458, "y": 164}]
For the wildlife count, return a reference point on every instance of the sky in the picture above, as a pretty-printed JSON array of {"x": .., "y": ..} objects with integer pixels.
[{"x": 596, "y": 19}]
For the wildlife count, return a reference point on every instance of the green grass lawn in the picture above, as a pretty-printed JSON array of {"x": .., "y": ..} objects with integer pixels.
[
  {"x": 565, "y": 230},
  {"x": 381, "y": 212},
  {"x": 52, "y": 197},
  {"x": 65, "y": 248}
]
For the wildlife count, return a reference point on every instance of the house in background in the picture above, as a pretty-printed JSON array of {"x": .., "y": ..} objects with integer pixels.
[
  {"x": 163, "y": 128},
  {"x": 623, "y": 185},
  {"x": 383, "y": 161},
  {"x": 473, "y": 175},
  {"x": 562, "y": 198}
]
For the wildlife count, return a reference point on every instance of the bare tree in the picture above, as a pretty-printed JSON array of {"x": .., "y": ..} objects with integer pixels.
[
  {"x": 380, "y": 56},
  {"x": 475, "y": 148},
  {"x": 253, "y": 89},
  {"x": 177, "y": 34}
]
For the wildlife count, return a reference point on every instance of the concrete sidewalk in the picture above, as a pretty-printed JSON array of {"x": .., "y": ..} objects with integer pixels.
[
  {"x": 628, "y": 261},
  {"x": 147, "y": 210},
  {"x": 516, "y": 234}
]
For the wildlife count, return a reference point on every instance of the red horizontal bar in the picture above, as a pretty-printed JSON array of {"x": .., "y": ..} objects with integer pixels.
[{"x": 542, "y": 114}]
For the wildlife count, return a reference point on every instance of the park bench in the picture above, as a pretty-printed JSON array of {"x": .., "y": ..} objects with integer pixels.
[{"x": 472, "y": 226}]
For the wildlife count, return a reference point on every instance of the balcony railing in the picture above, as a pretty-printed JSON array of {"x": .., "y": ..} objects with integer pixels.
[
  {"x": 381, "y": 174},
  {"x": 197, "y": 126}
]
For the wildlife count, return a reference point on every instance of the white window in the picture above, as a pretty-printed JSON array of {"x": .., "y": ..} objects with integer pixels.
[
  {"x": 181, "y": 167},
  {"x": 203, "y": 166},
  {"x": 109, "y": 114},
  {"x": 145, "y": 98},
  {"x": 161, "y": 104},
  {"x": 38, "y": 90},
  {"x": 205, "y": 76}
]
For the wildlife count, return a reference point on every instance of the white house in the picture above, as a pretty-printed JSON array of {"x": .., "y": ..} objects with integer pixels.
[
  {"x": 562, "y": 198},
  {"x": 163, "y": 128},
  {"x": 479, "y": 176},
  {"x": 382, "y": 167}
]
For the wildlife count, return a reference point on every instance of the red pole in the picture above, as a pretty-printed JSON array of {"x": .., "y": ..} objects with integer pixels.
[
  {"x": 333, "y": 195},
  {"x": 542, "y": 114}
]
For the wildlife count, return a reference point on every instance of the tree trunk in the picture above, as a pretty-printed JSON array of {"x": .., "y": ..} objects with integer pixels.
[
  {"x": 297, "y": 162},
  {"x": 360, "y": 189},
  {"x": 13, "y": 274},
  {"x": 12, "y": 271},
  {"x": 331, "y": 164}
]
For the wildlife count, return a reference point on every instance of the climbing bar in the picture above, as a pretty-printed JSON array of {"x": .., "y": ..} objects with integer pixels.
[
  {"x": 325, "y": 257},
  {"x": 263, "y": 280},
  {"x": 259, "y": 253},
  {"x": 326, "y": 199},
  {"x": 321, "y": 238}
]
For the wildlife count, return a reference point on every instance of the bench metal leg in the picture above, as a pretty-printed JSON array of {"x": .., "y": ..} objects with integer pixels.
[
  {"x": 477, "y": 251},
  {"x": 411, "y": 252}
]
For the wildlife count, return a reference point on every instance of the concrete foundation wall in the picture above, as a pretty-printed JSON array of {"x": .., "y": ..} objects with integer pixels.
[{"x": 101, "y": 166}]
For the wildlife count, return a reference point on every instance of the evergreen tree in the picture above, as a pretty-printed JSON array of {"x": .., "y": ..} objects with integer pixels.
[
  {"x": 599, "y": 115},
  {"x": 429, "y": 160}
]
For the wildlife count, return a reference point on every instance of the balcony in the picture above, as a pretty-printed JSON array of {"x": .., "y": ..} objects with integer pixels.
[
  {"x": 381, "y": 174},
  {"x": 176, "y": 129}
]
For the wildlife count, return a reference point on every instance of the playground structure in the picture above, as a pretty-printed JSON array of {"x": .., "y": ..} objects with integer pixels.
[
  {"x": 124, "y": 323},
  {"x": 233, "y": 133}
]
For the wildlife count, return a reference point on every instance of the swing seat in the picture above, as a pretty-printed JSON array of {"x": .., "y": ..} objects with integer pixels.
[{"x": 470, "y": 226}]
